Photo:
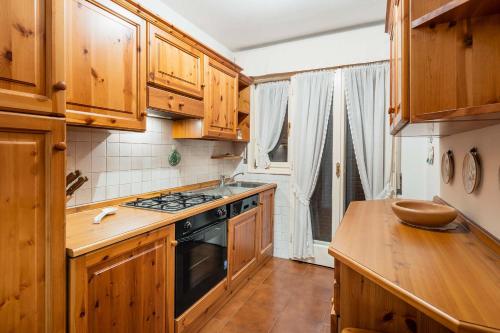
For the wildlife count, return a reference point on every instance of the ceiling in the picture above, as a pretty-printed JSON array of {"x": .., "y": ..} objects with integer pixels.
[{"x": 245, "y": 24}]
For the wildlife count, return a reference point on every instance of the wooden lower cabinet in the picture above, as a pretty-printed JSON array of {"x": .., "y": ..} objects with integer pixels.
[
  {"x": 266, "y": 225},
  {"x": 32, "y": 229},
  {"x": 242, "y": 246},
  {"x": 359, "y": 302},
  {"x": 126, "y": 287}
]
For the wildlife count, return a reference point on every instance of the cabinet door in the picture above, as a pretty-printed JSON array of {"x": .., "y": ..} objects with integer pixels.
[
  {"x": 32, "y": 206},
  {"x": 174, "y": 64},
  {"x": 31, "y": 56},
  {"x": 221, "y": 99},
  {"x": 126, "y": 287},
  {"x": 266, "y": 224},
  {"x": 399, "y": 107},
  {"x": 242, "y": 246},
  {"x": 106, "y": 65}
]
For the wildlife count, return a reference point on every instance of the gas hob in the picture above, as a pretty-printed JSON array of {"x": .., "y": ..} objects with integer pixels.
[{"x": 172, "y": 203}]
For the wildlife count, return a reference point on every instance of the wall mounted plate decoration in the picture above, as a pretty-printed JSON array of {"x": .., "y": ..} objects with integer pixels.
[
  {"x": 174, "y": 158},
  {"x": 447, "y": 167},
  {"x": 471, "y": 171}
]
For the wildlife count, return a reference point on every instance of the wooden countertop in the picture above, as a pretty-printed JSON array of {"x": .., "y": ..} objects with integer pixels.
[
  {"x": 452, "y": 277},
  {"x": 82, "y": 236}
]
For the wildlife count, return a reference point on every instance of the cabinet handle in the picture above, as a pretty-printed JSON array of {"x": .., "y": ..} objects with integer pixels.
[
  {"x": 202, "y": 86},
  {"x": 391, "y": 110},
  {"x": 89, "y": 120},
  {"x": 174, "y": 243},
  {"x": 143, "y": 114},
  {"x": 61, "y": 146},
  {"x": 181, "y": 105},
  {"x": 61, "y": 85}
]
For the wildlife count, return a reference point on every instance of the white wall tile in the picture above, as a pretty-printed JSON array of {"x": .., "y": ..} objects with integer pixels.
[
  {"x": 112, "y": 178},
  {"x": 112, "y": 192},
  {"x": 113, "y": 149},
  {"x": 112, "y": 163},
  {"x": 125, "y": 149},
  {"x": 98, "y": 164}
]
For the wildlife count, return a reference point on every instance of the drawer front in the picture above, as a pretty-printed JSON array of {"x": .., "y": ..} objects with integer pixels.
[{"x": 175, "y": 104}]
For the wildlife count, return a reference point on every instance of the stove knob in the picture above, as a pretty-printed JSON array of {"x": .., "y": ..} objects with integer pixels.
[
  {"x": 220, "y": 212},
  {"x": 188, "y": 225}
]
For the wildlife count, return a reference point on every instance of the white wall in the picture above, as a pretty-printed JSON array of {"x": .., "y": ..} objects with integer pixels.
[
  {"x": 342, "y": 48},
  {"x": 172, "y": 17},
  {"x": 420, "y": 180},
  {"x": 482, "y": 206}
]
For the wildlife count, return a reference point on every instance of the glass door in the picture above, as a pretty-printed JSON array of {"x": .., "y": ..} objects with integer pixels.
[{"x": 327, "y": 202}]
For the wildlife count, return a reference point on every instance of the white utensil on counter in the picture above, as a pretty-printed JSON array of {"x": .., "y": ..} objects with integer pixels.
[{"x": 105, "y": 211}]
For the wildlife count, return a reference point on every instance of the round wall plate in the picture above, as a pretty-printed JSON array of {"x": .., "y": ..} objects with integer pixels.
[
  {"x": 447, "y": 167},
  {"x": 471, "y": 171}
]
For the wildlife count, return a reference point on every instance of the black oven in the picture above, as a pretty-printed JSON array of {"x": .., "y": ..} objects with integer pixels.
[{"x": 200, "y": 256}]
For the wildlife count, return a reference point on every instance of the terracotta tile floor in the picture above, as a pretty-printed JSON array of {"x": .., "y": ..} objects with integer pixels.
[{"x": 283, "y": 296}]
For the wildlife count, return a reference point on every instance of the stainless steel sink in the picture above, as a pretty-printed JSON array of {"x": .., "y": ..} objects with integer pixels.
[{"x": 245, "y": 184}]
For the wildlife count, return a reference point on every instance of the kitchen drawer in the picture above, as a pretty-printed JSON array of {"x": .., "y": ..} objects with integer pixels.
[{"x": 173, "y": 104}]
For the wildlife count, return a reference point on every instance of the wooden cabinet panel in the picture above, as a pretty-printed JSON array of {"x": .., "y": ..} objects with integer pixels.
[
  {"x": 126, "y": 287},
  {"x": 106, "y": 65},
  {"x": 399, "y": 63},
  {"x": 221, "y": 98},
  {"x": 31, "y": 56},
  {"x": 32, "y": 203},
  {"x": 244, "y": 100},
  {"x": 174, "y": 64},
  {"x": 266, "y": 224},
  {"x": 242, "y": 246}
]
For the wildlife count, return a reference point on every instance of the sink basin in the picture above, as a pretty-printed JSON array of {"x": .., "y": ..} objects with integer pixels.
[
  {"x": 245, "y": 184},
  {"x": 424, "y": 213}
]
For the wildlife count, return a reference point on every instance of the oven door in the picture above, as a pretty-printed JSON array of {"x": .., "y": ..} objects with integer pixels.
[{"x": 200, "y": 264}]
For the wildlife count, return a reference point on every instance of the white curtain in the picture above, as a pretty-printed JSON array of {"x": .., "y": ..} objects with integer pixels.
[
  {"x": 270, "y": 101},
  {"x": 311, "y": 104},
  {"x": 366, "y": 92}
]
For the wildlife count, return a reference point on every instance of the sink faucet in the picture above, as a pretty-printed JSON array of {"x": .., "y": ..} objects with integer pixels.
[
  {"x": 231, "y": 179},
  {"x": 223, "y": 181}
]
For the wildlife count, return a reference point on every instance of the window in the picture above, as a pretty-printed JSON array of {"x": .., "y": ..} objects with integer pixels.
[
  {"x": 279, "y": 155},
  {"x": 280, "y": 151}
]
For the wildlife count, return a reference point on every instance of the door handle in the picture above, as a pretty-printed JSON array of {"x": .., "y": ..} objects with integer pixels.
[{"x": 337, "y": 170}]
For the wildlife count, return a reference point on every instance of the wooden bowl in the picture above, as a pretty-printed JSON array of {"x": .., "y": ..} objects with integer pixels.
[{"x": 424, "y": 213}]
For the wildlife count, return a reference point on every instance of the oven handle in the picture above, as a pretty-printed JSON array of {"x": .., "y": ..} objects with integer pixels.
[{"x": 193, "y": 236}]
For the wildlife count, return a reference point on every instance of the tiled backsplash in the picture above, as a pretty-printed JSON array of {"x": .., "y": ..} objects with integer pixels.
[{"x": 122, "y": 163}]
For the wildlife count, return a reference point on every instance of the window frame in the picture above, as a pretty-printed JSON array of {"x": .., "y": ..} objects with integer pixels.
[{"x": 276, "y": 168}]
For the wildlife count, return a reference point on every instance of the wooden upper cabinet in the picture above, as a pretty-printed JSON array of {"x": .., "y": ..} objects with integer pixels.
[
  {"x": 174, "y": 64},
  {"x": 221, "y": 101},
  {"x": 31, "y": 56},
  {"x": 126, "y": 287},
  {"x": 32, "y": 234},
  {"x": 266, "y": 224},
  {"x": 106, "y": 65},
  {"x": 242, "y": 246}
]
